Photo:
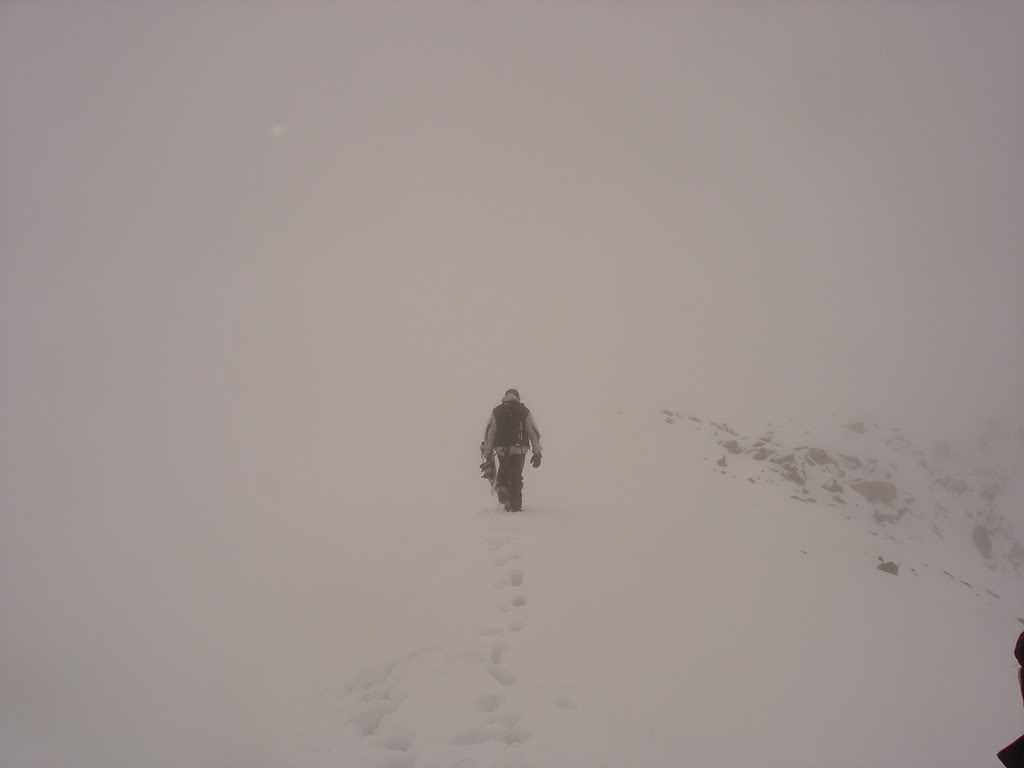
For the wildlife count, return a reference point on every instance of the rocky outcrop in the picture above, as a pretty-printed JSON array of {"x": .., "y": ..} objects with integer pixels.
[
  {"x": 982, "y": 540},
  {"x": 876, "y": 491},
  {"x": 887, "y": 566},
  {"x": 819, "y": 457},
  {"x": 889, "y": 517},
  {"x": 986, "y": 494}
]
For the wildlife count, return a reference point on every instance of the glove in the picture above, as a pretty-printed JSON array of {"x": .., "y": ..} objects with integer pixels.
[{"x": 535, "y": 460}]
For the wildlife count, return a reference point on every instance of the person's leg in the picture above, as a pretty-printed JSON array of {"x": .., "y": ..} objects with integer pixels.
[
  {"x": 501, "y": 481},
  {"x": 515, "y": 480}
]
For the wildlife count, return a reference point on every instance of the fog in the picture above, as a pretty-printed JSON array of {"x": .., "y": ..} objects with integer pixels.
[{"x": 263, "y": 257}]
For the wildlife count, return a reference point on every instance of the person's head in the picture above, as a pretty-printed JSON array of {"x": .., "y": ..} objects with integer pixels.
[{"x": 510, "y": 394}]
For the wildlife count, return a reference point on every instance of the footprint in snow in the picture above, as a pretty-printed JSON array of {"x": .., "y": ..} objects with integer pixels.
[
  {"x": 367, "y": 720},
  {"x": 502, "y": 675},
  {"x": 397, "y": 760},
  {"x": 513, "y": 578},
  {"x": 398, "y": 739},
  {"x": 564, "y": 702},
  {"x": 489, "y": 702},
  {"x": 468, "y": 656},
  {"x": 497, "y": 650},
  {"x": 505, "y": 720},
  {"x": 517, "y": 601},
  {"x": 472, "y": 736},
  {"x": 514, "y": 734}
]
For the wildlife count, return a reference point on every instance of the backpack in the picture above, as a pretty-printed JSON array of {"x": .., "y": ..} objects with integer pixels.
[{"x": 510, "y": 424}]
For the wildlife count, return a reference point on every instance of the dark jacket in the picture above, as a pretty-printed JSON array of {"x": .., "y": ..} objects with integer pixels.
[{"x": 511, "y": 429}]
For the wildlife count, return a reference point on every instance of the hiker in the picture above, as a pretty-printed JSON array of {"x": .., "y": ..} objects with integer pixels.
[
  {"x": 1018, "y": 651},
  {"x": 511, "y": 432},
  {"x": 1012, "y": 755}
]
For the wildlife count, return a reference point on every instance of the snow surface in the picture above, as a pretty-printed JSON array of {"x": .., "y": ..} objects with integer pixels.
[
  {"x": 645, "y": 609},
  {"x": 264, "y": 268}
]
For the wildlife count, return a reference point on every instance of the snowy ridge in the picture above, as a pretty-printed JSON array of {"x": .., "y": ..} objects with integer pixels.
[
  {"x": 667, "y": 615},
  {"x": 882, "y": 477}
]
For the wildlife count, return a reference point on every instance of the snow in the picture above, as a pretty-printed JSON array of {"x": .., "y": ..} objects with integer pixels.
[
  {"x": 667, "y": 615},
  {"x": 644, "y": 609}
]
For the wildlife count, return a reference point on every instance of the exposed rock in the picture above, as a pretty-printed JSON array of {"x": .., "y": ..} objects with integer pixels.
[
  {"x": 955, "y": 485},
  {"x": 991, "y": 492},
  {"x": 793, "y": 474},
  {"x": 898, "y": 443},
  {"x": 1016, "y": 555},
  {"x": 889, "y": 517},
  {"x": 732, "y": 446},
  {"x": 819, "y": 456},
  {"x": 853, "y": 461},
  {"x": 857, "y": 426},
  {"x": 789, "y": 458},
  {"x": 724, "y": 427},
  {"x": 721, "y": 461},
  {"x": 833, "y": 487},
  {"x": 876, "y": 491},
  {"x": 761, "y": 454},
  {"x": 983, "y": 541},
  {"x": 889, "y": 567}
]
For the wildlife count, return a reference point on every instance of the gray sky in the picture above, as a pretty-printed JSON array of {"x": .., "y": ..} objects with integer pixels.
[{"x": 743, "y": 207}]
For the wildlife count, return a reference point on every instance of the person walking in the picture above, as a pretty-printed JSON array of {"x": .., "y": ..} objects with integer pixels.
[
  {"x": 1012, "y": 755},
  {"x": 511, "y": 432}
]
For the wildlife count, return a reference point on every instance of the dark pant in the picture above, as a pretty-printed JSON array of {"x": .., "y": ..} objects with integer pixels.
[{"x": 510, "y": 477}]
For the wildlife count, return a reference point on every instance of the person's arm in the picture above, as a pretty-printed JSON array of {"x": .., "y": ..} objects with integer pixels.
[
  {"x": 488, "y": 445},
  {"x": 533, "y": 433}
]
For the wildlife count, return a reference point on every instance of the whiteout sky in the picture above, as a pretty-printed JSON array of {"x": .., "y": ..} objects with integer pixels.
[
  {"x": 256, "y": 256},
  {"x": 767, "y": 206}
]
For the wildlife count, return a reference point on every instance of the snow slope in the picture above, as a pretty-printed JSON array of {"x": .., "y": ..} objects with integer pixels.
[
  {"x": 643, "y": 611},
  {"x": 646, "y": 609}
]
